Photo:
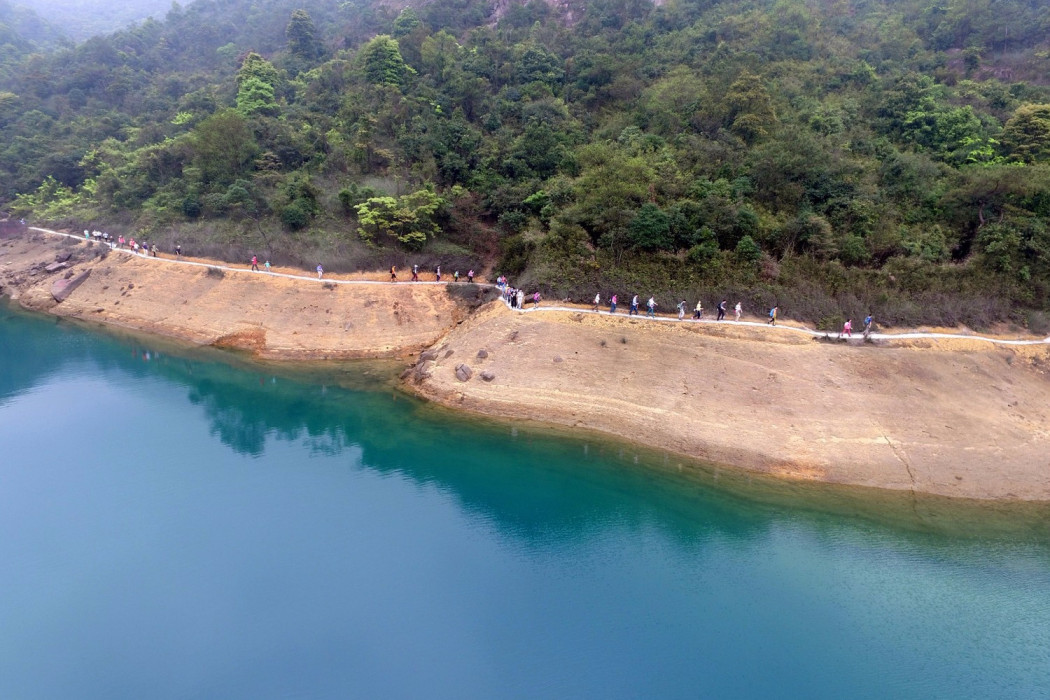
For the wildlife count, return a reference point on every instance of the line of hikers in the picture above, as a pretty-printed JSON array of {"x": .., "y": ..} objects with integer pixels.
[
  {"x": 698, "y": 312},
  {"x": 437, "y": 274}
]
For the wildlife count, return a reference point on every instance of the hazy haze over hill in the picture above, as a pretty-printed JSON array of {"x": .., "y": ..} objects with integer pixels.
[{"x": 80, "y": 19}]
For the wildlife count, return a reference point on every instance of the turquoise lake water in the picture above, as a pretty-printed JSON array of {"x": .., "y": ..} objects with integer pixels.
[{"x": 176, "y": 524}]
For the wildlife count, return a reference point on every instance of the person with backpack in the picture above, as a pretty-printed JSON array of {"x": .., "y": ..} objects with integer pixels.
[
  {"x": 681, "y": 309},
  {"x": 721, "y": 310},
  {"x": 650, "y": 307},
  {"x": 773, "y": 316}
]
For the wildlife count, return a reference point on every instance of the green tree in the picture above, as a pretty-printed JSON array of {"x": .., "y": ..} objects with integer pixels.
[
  {"x": 747, "y": 251},
  {"x": 382, "y": 62},
  {"x": 256, "y": 87},
  {"x": 751, "y": 114},
  {"x": 410, "y": 219},
  {"x": 406, "y": 22},
  {"x": 1026, "y": 135},
  {"x": 650, "y": 229},
  {"x": 223, "y": 146},
  {"x": 302, "y": 36}
]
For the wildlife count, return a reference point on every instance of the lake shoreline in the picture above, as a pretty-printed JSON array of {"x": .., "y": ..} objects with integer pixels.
[{"x": 958, "y": 418}]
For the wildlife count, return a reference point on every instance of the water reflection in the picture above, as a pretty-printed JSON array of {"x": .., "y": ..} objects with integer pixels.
[
  {"x": 408, "y": 551},
  {"x": 530, "y": 489}
]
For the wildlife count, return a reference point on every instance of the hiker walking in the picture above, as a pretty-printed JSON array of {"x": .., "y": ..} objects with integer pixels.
[
  {"x": 773, "y": 316},
  {"x": 437, "y": 272},
  {"x": 415, "y": 273},
  {"x": 847, "y": 328},
  {"x": 178, "y": 248},
  {"x": 255, "y": 263},
  {"x": 650, "y": 308},
  {"x": 393, "y": 273},
  {"x": 721, "y": 310},
  {"x": 153, "y": 250},
  {"x": 737, "y": 311},
  {"x": 320, "y": 271},
  {"x": 521, "y": 299},
  {"x": 634, "y": 306},
  {"x": 597, "y": 300},
  {"x": 612, "y": 304},
  {"x": 267, "y": 265},
  {"x": 681, "y": 309},
  {"x": 455, "y": 276},
  {"x": 535, "y": 299},
  {"x": 867, "y": 325},
  {"x": 698, "y": 312},
  {"x": 470, "y": 275}
]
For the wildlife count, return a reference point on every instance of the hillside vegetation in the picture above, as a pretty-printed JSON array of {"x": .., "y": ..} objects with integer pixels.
[{"x": 833, "y": 157}]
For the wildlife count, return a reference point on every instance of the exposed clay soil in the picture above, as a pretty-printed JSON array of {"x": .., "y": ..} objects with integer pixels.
[
  {"x": 954, "y": 418},
  {"x": 272, "y": 317},
  {"x": 958, "y": 418}
]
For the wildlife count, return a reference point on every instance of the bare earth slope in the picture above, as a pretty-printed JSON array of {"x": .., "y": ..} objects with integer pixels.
[
  {"x": 960, "y": 418},
  {"x": 272, "y": 316},
  {"x": 955, "y": 418}
]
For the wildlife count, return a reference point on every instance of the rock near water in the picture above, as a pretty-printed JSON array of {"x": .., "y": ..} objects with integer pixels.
[
  {"x": 61, "y": 289},
  {"x": 464, "y": 372}
]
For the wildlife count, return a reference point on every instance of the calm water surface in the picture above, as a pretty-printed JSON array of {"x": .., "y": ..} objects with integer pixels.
[{"x": 174, "y": 527}]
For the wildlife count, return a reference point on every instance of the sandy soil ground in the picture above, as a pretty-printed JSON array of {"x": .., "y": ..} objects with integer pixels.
[
  {"x": 954, "y": 417},
  {"x": 270, "y": 316}
]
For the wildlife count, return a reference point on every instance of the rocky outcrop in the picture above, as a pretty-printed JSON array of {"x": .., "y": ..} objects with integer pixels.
[{"x": 61, "y": 289}]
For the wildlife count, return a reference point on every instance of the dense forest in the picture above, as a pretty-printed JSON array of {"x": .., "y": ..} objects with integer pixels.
[{"x": 832, "y": 156}]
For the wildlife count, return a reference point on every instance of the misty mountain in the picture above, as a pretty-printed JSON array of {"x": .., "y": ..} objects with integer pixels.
[{"x": 834, "y": 156}]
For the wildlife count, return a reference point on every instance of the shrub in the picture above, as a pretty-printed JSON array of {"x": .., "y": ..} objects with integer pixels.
[{"x": 295, "y": 216}]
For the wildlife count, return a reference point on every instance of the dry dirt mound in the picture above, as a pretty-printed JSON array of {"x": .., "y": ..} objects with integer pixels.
[
  {"x": 268, "y": 315},
  {"x": 973, "y": 422}
]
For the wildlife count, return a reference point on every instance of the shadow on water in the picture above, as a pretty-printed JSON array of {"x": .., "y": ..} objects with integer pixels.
[{"x": 525, "y": 478}]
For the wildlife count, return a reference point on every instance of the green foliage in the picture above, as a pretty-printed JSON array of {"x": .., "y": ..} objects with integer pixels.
[
  {"x": 1026, "y": 135},
  {"x": 410, "y": 219},
  {"x": 302, "y": 36},
  {"x": 382, "y": 62},
  {"x": 747, "y": 251},
  {"x": 406, "y": 22},
  {"x": 834, "y": 153},
  {"x": 650, "y": 229},
  {"x": 295, "y": 216},
  {"x": 354, "y": 194},
  {"x": 223, "y": 147}
]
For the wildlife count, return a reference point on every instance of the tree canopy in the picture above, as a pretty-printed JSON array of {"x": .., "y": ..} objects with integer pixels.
[{"x": 891, "y": 155}]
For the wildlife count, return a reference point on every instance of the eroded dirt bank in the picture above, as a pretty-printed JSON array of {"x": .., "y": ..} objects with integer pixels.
[
  {"x": 958, "y": 418},
  {"x": 953, "y": 418},
  {"x": 267, "y": 315}
]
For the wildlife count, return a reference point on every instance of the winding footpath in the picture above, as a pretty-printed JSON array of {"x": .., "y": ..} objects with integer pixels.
[{"x": 571, "y": 309}]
